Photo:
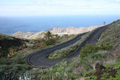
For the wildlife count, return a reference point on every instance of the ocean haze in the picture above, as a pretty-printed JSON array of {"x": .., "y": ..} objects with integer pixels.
[{"x": 10, "y": 25}]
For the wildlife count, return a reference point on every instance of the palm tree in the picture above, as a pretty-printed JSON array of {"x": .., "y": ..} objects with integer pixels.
[{"x": 48, "y": 35}]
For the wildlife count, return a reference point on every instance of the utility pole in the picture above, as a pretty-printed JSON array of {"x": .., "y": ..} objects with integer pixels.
[{"x": 104, "y": 22}]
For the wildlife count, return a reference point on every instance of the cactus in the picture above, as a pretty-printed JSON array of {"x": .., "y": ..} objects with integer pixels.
[
  {"x": 13, "y": 76},
  {"x": 9, "y": 76},
  {"x": 26, "y": 76}
]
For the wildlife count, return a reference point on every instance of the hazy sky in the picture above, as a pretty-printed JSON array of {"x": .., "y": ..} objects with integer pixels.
[{"x": 58, "y": 7}]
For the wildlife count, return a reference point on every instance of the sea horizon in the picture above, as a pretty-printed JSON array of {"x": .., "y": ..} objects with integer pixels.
[{"x": 11, "y": 25}]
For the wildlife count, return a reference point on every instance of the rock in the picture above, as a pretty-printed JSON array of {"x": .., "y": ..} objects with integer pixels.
[
  {"x": 112, "y": 72},
  {"x": 83, "y": 78},
  {"x": 99, "y": 67},
  {"x": 94, "y": 65},
  {"x": 100, "y": 70}
]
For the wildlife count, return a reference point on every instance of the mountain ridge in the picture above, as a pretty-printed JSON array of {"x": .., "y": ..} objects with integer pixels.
[{"x": 59, "y": 31}]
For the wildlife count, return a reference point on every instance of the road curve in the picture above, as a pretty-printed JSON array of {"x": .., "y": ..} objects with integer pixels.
[{"x": 39, "y": 58}]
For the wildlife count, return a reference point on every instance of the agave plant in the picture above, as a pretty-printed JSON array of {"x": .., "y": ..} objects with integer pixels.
[
  {"x": 9, "y": 76},
  {"x": 26, "y": 76}
]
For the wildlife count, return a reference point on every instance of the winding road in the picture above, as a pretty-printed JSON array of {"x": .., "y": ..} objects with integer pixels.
[{"x": 39, "y": 58}]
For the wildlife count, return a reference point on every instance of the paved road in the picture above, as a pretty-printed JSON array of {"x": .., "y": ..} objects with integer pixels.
[{"x": 40, "y": 57}]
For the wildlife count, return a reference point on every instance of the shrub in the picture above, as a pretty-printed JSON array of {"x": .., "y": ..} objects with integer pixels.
[
  {"x": 3, "y": 61},
  {"x": 90, "y": 49},
  {"x": 60, "y": 71},
  {"x": 62, "y": 52},
  {"x": 92, "y": 77},
  {"x": 87, "y": 50},
  {"x": 50, "y": 41},
  {"x": 39, "y": 44},
  {"x": 117, "y": 65},
  {"x": 8, "y": 76},
  {"x": 22, "y": 61},
  {"x": 105, "y": 46},
  {"x": 1, "y": 52},
  {"x": 48, "y": 35},
  {"x": 96, "y": 55},
  {"x": 12, "y": 51}
]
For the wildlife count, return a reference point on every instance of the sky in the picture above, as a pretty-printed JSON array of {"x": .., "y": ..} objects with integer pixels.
[{"x": 58, "y": 7}]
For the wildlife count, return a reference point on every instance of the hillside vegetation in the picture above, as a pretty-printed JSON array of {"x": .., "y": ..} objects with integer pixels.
[
  {"x": 9, "y": 44},
  {"x": 19, "y": 49},
  {"x": 112, "y": 35},
  {"x": 106, "y": 52},
  {"x": 95, "y": 62},
  {"x": 64, "y": 52}
]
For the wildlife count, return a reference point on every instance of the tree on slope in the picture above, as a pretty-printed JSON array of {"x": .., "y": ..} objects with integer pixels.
[{"x": 48, "y": 35}]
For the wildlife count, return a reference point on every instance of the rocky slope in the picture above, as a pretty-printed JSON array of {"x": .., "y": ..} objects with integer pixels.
[
  {"x": 73, "y": 30},
  {"x": 59, "y": 31},
  {"x": 20, "y": 34}
]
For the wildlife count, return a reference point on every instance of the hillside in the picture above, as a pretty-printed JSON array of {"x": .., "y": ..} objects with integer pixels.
[
  {"x": 112, "y": 35},
  {"x": 20, "y": 34},
  {"x": 7, "y": 43},
  {"x": 73, "y": 30},
  {"x": 100, "y": 61},
  {"x": 12, "y": 47},
  {"x": 104, "y": 56},
  {"x": 95, "y": 62},
  {"x": 59, "y": 31}
]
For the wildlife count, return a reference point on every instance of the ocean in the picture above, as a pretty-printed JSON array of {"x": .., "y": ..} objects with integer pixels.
[{"x": 10, "y": 25}]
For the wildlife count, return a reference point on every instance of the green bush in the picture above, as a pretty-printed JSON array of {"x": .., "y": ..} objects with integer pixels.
[
  {"x": 91, "y": 49},
  {"x": 91, "y": 56},
  {"x": 90, "y": 59},
  {"x": 92, "y": 77},
  {"x": 51, "y": 41},
  {"x": 60, "y": 71},
  {"x": 62, "y": 52},
  {"x": 87, "y": 50},
  {"x": 105, "y": 46},
  {"x": 39, "y": 44},
  {"x": 22, "y": 61},
  {"x": 95, "y": 55},
  {"x": 117, "y": 65},
  {"x": 1, "y": 52},
  {"x": 3, "y": 61}
]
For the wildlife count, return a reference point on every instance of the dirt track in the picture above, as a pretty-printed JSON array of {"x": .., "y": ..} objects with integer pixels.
[{"x": 40, "y": 57}]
